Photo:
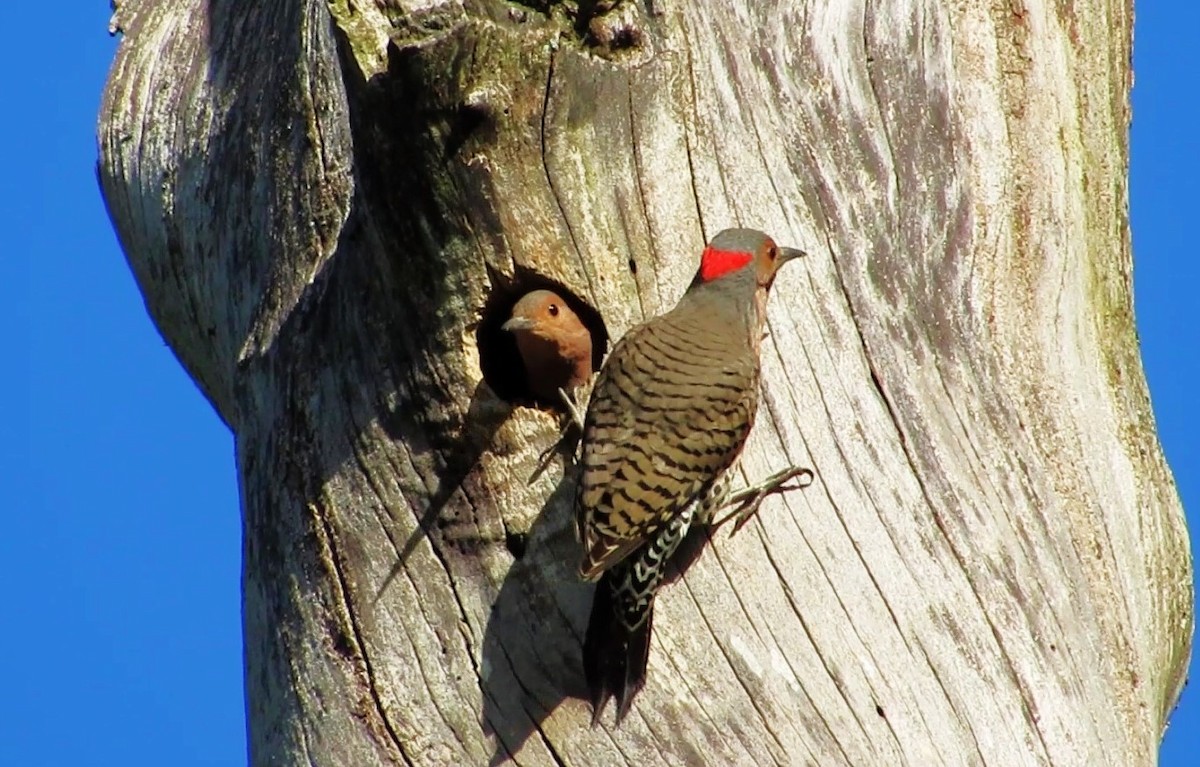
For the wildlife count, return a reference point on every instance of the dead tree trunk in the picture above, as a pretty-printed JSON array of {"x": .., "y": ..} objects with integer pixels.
[{"x": 328, "y": 206}]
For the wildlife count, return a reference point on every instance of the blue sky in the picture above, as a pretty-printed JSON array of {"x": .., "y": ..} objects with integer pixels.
[{"x": 121, "y": 553}]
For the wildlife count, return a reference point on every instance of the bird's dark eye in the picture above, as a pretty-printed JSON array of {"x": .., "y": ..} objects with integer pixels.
[
  {"x": 772, "y": 253},
  {"x": 553, "y": 309}
]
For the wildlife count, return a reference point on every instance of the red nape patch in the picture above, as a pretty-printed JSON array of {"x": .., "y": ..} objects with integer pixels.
[{"x": 717, "y": 263}]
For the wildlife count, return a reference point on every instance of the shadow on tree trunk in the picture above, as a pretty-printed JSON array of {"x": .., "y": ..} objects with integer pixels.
[{"x": 531, "y": 648}]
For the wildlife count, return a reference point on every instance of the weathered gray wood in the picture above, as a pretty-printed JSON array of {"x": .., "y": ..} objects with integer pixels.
[{"x": 318, "y": 200}]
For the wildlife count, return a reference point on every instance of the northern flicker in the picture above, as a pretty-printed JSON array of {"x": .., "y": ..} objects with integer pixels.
[
  {"x": 555, "y": 347},
  {"x": 668, "y": 417}
]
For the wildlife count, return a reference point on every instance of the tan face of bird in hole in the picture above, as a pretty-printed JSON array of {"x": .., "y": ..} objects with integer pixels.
[
  {"x": 544, "y": 313},
  {"x": 555, "y": 345}
]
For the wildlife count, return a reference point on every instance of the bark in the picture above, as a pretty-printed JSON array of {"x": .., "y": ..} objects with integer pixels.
[{"x": 328, "y": 206}]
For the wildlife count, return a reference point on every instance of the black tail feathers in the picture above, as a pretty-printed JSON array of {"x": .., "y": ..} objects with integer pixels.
[{"x": 616, "y": 648}]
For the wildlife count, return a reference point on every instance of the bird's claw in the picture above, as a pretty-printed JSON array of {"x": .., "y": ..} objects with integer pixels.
[
  {"x": 565, "y": 435},
  {"x": 749, "y": 499},
  {"x": 572, "y": 408}
]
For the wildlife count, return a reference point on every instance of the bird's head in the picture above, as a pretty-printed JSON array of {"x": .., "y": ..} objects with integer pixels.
[
  {"x": 543, "y": 313},
  {"x": 734, "y": 250}
]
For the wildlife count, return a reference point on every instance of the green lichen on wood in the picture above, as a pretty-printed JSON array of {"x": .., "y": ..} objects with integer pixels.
[
  {"x": 365, "y": 31},
  {"x": 1105, "y": 113}
]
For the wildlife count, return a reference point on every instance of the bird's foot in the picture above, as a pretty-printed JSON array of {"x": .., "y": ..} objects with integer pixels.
[
  {"x": 566, "y": 445},
  {"x": 573, "y": 409},
  {"x": 567, "y": 436},
  {"x": 747, "y": 501}
]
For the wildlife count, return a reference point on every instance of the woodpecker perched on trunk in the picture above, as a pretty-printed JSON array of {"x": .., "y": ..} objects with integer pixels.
[
  {"x": 667, "y": 419},
  {"x": 555, "y": 347}
]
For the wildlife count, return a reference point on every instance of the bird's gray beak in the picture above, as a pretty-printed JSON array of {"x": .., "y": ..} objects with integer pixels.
[
  {"x": 517, "y": 323},
  {"x": 787, "y": 254}
]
